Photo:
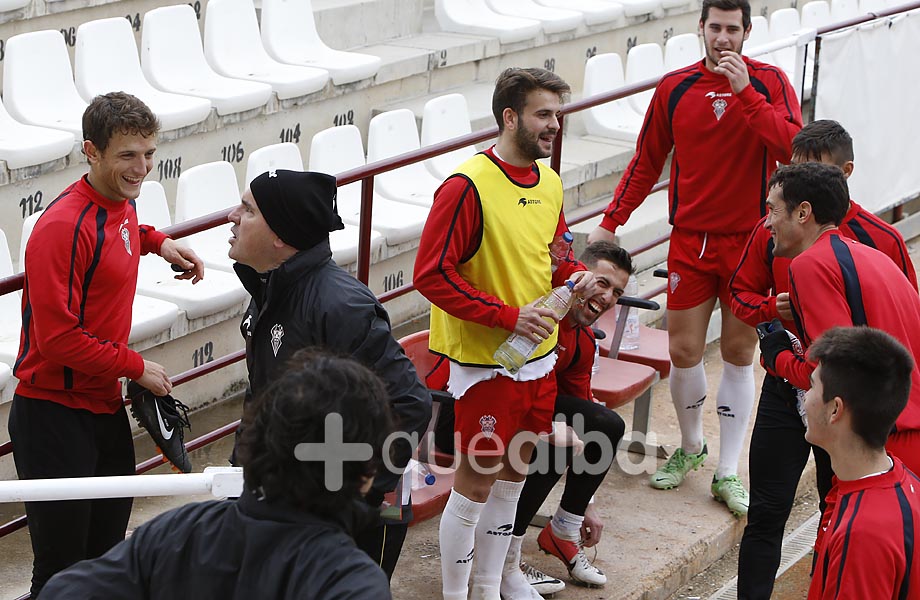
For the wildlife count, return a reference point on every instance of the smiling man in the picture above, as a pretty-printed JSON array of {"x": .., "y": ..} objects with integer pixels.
[
  {"x": 729, "y": 119},
  {"x": 835, "y": 281},
  {"x": 67, "y": 418},
  {"x": 483, "y": 259}
]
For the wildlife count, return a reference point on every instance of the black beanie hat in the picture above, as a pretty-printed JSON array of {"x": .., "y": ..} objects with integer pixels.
[{"x": 299, "y": 206}]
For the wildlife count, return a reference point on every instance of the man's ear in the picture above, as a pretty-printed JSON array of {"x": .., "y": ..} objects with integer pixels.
[
  {"x": 509, "y": 118},
  {"x": 847, "y": 168},
  {"x": 92, "y": 153},
  {"x": 803, "y": 211},
  {"x": 837, "y": 411}
]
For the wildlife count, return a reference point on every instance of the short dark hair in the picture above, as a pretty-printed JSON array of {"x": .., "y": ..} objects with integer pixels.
[
  {"x": 870, "y": 370},
  {"x": 609, "y": 251},
  {"x": 293, "y": 410},
  {"x": 822, "y": 186},
  {"x": 821, "y": 137},
  {"x": 117, "y": 112},
  {"x": 743, "y": 5},
  {"x": 514, "y": 84}
]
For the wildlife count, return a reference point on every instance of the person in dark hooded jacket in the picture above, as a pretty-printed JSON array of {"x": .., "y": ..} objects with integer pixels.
[
  {"x": 287, "y": 536},
  {"x": 301, "y": 298}
]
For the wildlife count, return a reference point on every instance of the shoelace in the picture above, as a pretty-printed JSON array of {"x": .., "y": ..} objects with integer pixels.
[
  {"x": 171, "y": 413},
  {"x": 735, "y": 487},
  {"x": 533, "y": 574},
  {"x": 676, "y": 462}
]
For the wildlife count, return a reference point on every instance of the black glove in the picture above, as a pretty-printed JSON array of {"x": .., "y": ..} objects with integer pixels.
[{"x": 773, "y": 340}]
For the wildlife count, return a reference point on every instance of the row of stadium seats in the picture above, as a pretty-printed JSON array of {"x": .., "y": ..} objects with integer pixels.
[
  {"x": 518, "y": 20},
  {"x": 180, "y": 77}
]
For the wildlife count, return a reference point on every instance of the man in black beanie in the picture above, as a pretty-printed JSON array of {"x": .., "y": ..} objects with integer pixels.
[{"x": 301, "y": 298}]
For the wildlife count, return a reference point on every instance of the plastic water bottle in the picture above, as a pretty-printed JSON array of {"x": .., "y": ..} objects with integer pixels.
[
  {"x": 422, "y": 475},
  {"x": 559, "y": 249},
  {"x": 630, "y": 340},
  {"x": 517, "y": 349}
]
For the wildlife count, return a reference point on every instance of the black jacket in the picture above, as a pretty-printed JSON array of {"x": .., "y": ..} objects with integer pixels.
[
  {"x": 311, "y": 301},
  {"x": 227, "y": 550}
]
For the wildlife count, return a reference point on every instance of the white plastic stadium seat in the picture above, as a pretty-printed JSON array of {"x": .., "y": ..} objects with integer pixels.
[
  {"x": 219, "y": 290},
  {"x": 339, "y": 149},
  {"x": 233, "y": 47},
  {"x": 760, "y": 36},
  {"x": 446, "y": 117},
  {"x": 344, "y": 242},
  {"x": 173, "y": 61},
  {"x": 783, "y": 23},
  {"x": 681, "y": 51},
  {"x": 640, "y": 8},
  {"x": 50, "y": 100},
  {"x": 643, "y": 62},
  {"x": 552, "y": 20},
  {"x": 202, "y": 190},
  {"x": 289, "y": 34},
  {"x": 390, "y": 134},
  {"x": 10, "y": 309},
  {"x": 815, "y": 15},
  {"x": 26, "y": 145},
  {"x": 595, "y": 12},
  {"x": 841, "y": 10},
  {"x": 474, "y": 16},
  {"x": 7, "y": 5},
  {"x": 616, "y": 120},
  {"x": 106, "y": 59}
]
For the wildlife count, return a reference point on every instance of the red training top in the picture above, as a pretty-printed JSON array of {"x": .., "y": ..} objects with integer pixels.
[
  {"x": 869, "y": 547},
  {"x": 726, "y": 146},
  {"x": 840, "y": 282},
  {"x": 574, "y": 360},
  {"x": 80, "y": 278}
]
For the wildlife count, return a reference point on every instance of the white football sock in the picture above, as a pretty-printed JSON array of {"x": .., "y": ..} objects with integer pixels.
[
  {"x": 493, "y": 536},
  {"x": 688, "y": 391},
  {"x": 566, "y": 525},
  {"x": 514, "y": 584},
  {"x": 734, "y": 403},
  {"x": 456, "y": 536}
]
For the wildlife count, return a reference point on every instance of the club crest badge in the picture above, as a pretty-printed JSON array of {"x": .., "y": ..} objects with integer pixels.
[
  {"x": 125, "y": 236},
  {"x": 718, "y": 107},
  {"x": 673, "y": 280},
  {"x": 487, "y": 423},
  {"x": 277, "y": 334}
]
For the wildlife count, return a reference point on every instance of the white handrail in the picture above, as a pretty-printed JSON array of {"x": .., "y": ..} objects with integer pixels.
[{"x": 220, "y": 482}]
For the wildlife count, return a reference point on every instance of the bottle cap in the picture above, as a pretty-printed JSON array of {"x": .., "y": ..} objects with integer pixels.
[
  {"x": 570, "y": 284},
  {"x": 567, "y": 237}
]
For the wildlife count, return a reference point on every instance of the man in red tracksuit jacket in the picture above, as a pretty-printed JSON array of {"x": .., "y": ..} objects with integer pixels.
[
  {"x": 67, "y": 418},
  {"x": 729, "y": 120},
  {"x": 866, "y": 547},
  {"x": 778, "y": 450},
  {"x": 836, "y": 281}
]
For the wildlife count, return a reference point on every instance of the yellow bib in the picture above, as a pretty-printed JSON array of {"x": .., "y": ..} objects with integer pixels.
[{"x": 512, "y": 262}]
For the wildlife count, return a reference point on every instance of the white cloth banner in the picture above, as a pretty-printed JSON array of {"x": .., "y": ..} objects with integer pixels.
[{"x": 869, "y": 81}]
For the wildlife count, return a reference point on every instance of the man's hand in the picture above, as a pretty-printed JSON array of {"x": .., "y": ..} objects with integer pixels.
[
  {"x": 735, "y": 70},
  {"x": 183, "y": 258},
  {"x": 773, "y": 341},
  {"x": 784, "y": 306},
  {"x": 155, "y": 379},
  {"x": 600, "y": 233},
  {"x": 532, "y": 323},
  {"x": 592, "y": 528},
  {"x": 584, "y": 283}
]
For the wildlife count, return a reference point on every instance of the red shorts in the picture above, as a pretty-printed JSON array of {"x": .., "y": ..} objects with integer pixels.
[
  {"x": 488, "y": 415},
  {"x": 700, "y": 266},
  {"x": 906, "y": 446}
]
